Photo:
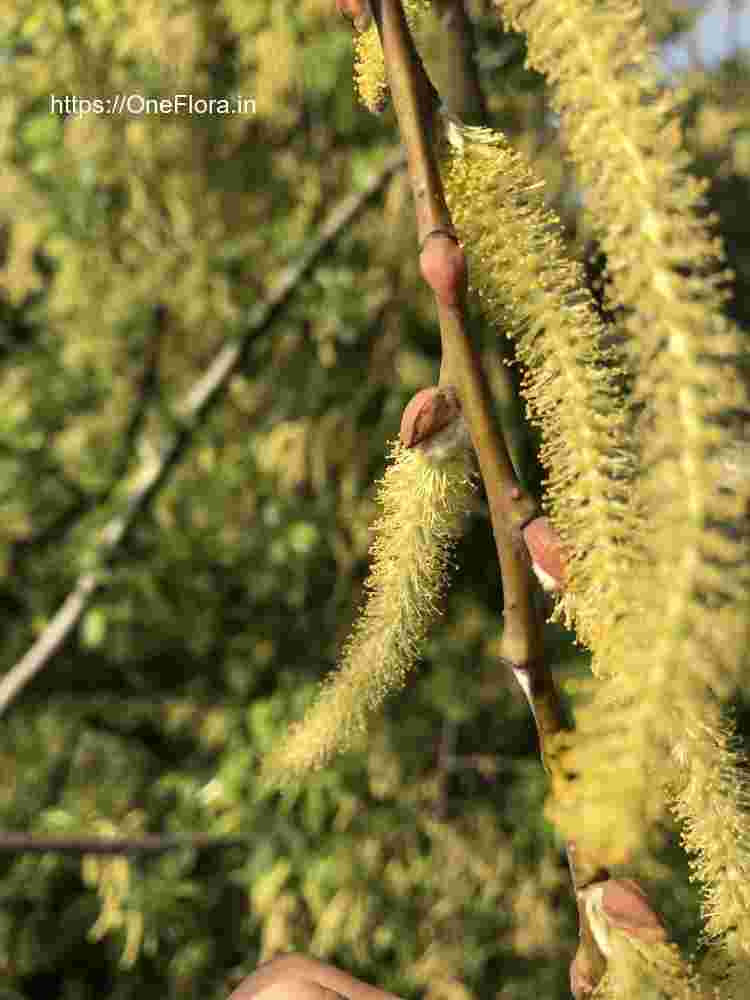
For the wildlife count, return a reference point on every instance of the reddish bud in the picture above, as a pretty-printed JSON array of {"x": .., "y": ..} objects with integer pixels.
[
  {"x": 443, "y": 266},
  {"x": 627, "y": 908},
  {"x": 428, "y": 412},
  {"x": 358, "y": 12},
  {"x": 547, "y": 553}
]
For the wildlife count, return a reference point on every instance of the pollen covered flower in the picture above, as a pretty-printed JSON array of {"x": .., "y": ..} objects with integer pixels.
[{"x": 424, "y": 497}]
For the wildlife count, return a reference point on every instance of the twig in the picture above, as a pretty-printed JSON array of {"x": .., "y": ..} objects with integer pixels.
[
  {"x": 443, "y": 266},
  {"x": 463, "y": 95},
  {"x": 147, "y": 388},
  {"x": 147, "y": 843},
  {"x": 446, "y": 762},
  {"x": 191, "y": 415},
  {"x": 511, "y": 509},
  {"x": 734, "y": 16}
]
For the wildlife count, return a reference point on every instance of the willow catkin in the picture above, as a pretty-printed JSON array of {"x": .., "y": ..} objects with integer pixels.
[
  {"x": 681, "y": 642},
  {"x": 653, "y": 971},
  {"x": 424, "y": 499},
  {"x": 370, "y": 78},
  {"x": 710, "y": 794},
  {"x": 533, "y": 292},
  {"x": 666, "y": 269}
]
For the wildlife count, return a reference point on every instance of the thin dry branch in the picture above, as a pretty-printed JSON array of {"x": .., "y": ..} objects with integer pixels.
[
  {"x": 191, "y": 415},
  {"x": 147, "y": 843},
  {"x": 464, "y": 96}
]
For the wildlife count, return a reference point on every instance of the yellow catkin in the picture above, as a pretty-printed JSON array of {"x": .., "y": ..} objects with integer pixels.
[
  {"x": 370, "y": 78},
  {"x": 665, "y": 268},
  {"x": 648, "y": 971},
  {"x": 530, "y": 290},
  {"x": 711, "y": 796},
  {"x": 423, "y": 503},
  {"x": 369, "y": 70},
  {"x": 683, "y": 638}
]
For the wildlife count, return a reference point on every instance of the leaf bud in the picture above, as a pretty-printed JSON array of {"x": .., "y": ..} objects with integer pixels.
[
  {"x": 357, "y": 11},
  {"x": 547, "y": 554},
  {"x": 433, "y": 421},
  {"x": 627, "y": 908},
  {"x": 622, "y": 905}
]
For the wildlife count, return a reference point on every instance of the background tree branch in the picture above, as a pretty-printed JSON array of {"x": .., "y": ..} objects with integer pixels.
[
  {"x": 191, "y": 414},
  {"x": 148, "y": 843}
]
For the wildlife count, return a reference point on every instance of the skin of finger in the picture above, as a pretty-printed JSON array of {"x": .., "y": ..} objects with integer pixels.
[
  {"x": 300, "y": 967},
  {"x": 297, "y": 989}
]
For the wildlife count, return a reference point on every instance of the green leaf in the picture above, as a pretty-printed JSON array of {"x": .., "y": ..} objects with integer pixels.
[{"x": 93, "y": 628}]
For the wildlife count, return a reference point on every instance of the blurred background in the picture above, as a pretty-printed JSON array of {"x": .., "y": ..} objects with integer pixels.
[{"x": 229, "y": 541}]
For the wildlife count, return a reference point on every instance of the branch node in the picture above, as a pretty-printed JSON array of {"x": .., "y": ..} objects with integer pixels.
[{"x": 443, "y": 265}]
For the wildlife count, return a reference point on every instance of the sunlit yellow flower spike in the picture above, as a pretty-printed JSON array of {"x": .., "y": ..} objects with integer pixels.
[
  {"x": 424, "y": 499},
  {"x": 369, "y": 67},
  {"x": 532, "y": 292}
]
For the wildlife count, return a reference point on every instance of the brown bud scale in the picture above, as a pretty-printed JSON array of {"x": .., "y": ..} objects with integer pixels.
[
  {"x": 443, "y": 266},
  {"x": 627, "y": 907},
  {"x": 357, "y": 11},
  {"x": 546, "y": 551},
  {"x": 428, "y": 412}
]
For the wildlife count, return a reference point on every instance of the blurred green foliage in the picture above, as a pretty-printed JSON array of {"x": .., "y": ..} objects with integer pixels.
[{"x": 429, "y": 873}]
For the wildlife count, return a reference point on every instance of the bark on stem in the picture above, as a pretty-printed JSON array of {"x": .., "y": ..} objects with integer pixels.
[
  {"x": 463, "y": 95},
  {"x": 511, "y": 508},
  {"x": 415, "y": 102}
]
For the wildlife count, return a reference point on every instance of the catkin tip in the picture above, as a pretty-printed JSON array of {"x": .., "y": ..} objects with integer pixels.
[{"x": 423, "y": 501}]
